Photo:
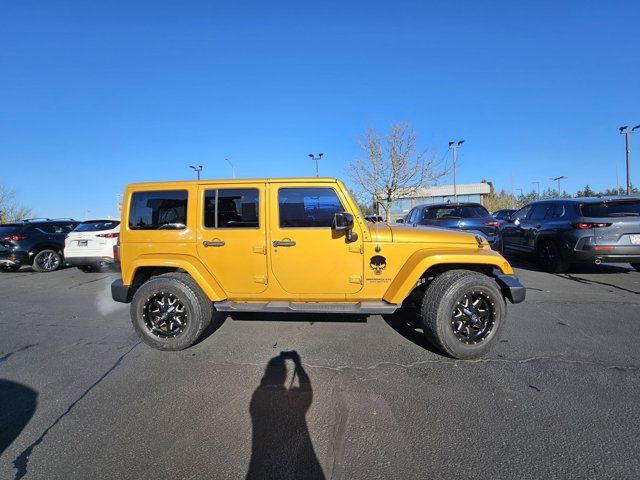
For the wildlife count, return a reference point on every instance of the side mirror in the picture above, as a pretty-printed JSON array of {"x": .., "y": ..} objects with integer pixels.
[
  {"x": 516, "y": 222},
  {"x": 343, "y": 221}
]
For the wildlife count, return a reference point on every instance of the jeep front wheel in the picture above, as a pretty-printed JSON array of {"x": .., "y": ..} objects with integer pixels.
[
  {"x": 170, "y": 311},
  {"x": 463, "y": 313}
]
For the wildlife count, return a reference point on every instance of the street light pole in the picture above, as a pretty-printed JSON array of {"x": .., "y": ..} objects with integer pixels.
[
  {"x": 538, "y": 184},
  {"x": 197, "y": 169},
  {"x": 627, "y": 134},
  {"x": 453, "y": 146},
  {"x": 557, "y": 179},
  {"x": 233, "y": 169},
  {"x": 316, "y": 159}
]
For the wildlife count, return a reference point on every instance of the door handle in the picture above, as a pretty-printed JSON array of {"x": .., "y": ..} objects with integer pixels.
[
  {"x": 284, "y": 243},
  {"x": 214, "y": 243}
]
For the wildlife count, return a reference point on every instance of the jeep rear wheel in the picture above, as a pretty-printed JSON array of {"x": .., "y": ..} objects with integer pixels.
[
  {"x": 462, "y": 313},
  {"x": 46, "y": 261},
  {"x": 170, "y": 311}
]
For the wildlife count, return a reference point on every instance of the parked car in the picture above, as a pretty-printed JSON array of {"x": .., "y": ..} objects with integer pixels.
[
  {"x": 374, "y": 218},
  {"x": 563, "y": 231},
  {"x": 36, "y": 242},
  {"x": 471, "y": 217},
  {"x": 503, "y": 215},
  {"x": 298, "y": 245},
  {"x": 91, "y": 245}
]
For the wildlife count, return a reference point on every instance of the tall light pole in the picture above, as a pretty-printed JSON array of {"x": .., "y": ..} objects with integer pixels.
[
  {"x": 627, "y": 133},
  {"x": 233, "y": 169},
  {"x": 538, "y": 184},
  {"x": 453, "y": 146},
  {"x": 316, "y": 159},
  {"x": 557, "y": 179},
  {"x": 197, "y": 169}
]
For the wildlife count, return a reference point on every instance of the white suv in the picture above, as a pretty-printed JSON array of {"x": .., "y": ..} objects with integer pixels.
[{"x": 92, "y": 244}]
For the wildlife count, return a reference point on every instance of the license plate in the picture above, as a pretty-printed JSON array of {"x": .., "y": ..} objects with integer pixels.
[
  {"x": 635, "y": 239},
  {"x": 82, "y": 243}
]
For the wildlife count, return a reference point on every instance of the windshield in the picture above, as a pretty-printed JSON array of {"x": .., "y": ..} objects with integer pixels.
[
  {"x": 464, "y": 211},
  {"x": 623, "y": 208},
  {"x": 96, "y": 226}
]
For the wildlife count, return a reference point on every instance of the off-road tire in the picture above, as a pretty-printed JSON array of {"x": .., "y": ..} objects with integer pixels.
[
  {"x": 439, "y": 304},
  {"x": 39, "y": 266},
  {"x": 198, "y": 307},
  {"x": 551, "y": 257},
  {"x": 636, "y": 266}
]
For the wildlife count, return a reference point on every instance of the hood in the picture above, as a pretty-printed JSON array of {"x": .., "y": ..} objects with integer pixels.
[{"x": 383, "y": 232}]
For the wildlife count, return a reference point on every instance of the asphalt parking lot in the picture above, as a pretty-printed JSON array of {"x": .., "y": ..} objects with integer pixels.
[{"x": 558, "y": 397}]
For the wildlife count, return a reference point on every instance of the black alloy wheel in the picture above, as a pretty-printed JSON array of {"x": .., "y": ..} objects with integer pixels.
[
  {"x": 47, "y": 261},
  {"x": 165, "y": 315},
  {"x": 473, "y": 318}
]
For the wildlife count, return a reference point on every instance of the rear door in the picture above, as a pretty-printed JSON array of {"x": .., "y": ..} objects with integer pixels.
[{"x": 232, "y": 236}]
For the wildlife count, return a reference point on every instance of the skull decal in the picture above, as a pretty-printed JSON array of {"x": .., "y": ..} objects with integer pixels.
[{"x": 378, "y": 263}]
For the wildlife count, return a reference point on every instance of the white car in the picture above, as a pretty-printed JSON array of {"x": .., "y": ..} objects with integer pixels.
[{"x": 92, "y": 244}]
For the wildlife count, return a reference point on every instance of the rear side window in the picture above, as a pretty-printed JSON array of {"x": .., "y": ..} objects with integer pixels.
[
  {"x": 308, "y": 207},
  {"x": 231, "y": 208},
  {"x": 540, "y": 211},
  {"x": 556, "y": 211},
  {"x": 96, "y": 226},
  {"x": 156, "y": 210},
  {"x": 611, "y": 209}
]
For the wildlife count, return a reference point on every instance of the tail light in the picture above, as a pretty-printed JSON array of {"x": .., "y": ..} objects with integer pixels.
[
  {"x": 108, "y": 235},
  {"x": 588, "y": 226},
  {"x": 16, "y": 238},
  {"x": 116, "y": 253},
  {"x": 493, "y": 223}
]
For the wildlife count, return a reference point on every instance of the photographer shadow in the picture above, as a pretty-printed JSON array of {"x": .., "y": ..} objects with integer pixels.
[{"x": 281, "y": 444}]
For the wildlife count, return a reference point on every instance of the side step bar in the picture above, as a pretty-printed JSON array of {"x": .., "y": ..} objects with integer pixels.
[{"x": 362, "y": 308}]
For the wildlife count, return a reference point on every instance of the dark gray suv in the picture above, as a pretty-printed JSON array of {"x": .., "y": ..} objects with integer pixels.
[{"x": 564, "y": 231}]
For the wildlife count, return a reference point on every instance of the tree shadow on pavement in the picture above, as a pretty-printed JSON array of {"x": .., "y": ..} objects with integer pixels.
[
  {"x": 281, "y": 445},
  {"x": 17, "y": 405}
]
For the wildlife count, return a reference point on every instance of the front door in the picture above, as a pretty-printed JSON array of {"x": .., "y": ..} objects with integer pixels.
[
  {"x": 307, "y": 255},
  {"x": 232, "y": 236}
]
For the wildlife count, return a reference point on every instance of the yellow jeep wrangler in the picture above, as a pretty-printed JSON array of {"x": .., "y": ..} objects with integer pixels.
[{"x": 299, "y": 245}]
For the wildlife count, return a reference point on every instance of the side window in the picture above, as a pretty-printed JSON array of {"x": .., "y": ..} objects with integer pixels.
[
  {"x": 540, "y": 211},
  {"x": 411, "y": 218},
  {"x": 308, "y": 207},
  {"x": 231, "y": 208},
  {"x": 158, "y": 210},
  {"x": 44, "y": 228},
  {"x": 556, "y": 211},
  {"x": 522, "y": 213}
]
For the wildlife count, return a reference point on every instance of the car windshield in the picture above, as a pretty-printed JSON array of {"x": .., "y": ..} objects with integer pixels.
[
  {"x": 8, "y": 230},
  {"x": 458, "y": 211},
  {"x": 96, "y": 226},
  {"x": 623, "y": 208}
]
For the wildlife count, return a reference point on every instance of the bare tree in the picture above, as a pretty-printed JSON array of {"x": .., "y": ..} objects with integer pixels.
[
  {"x": 10, "y": 210},
  {"x": 392, "y": 167}
]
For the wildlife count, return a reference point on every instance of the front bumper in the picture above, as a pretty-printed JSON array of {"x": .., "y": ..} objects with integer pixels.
[
  {"x": 9, "y": 263},
  {"x": 14, "y": 257},
  {"x": 510, "y": 286},
  {"x": 120, "y": 292}
]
